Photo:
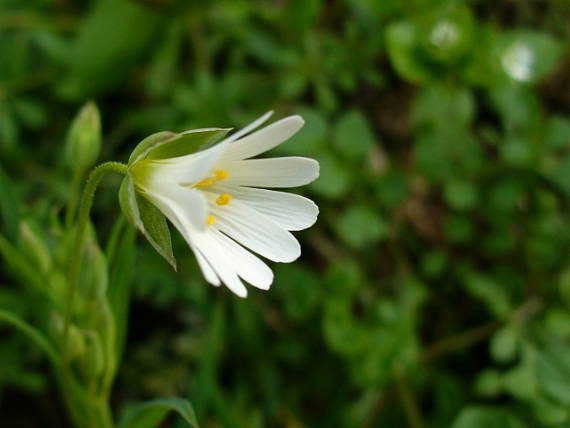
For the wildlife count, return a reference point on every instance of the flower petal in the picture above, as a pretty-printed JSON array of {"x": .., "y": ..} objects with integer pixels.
[
  {"x": 205, "y": 267},
  {"x": 218, "y": 259},
  {"x": 256, "y": 231},
  {"x": 290, "y": 211},
  {"x": 274, "y": 172},
  {"x": 263, "y": 140},
  {"x": 180, "y": 204},
  {"x": 248, "y": 266},
  {"x": 253, "y": 125},
  {"x": 156, "y": 175}
]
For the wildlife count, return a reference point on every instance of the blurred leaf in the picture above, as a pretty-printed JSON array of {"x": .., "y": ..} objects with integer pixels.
[
  {"x": 557, "y": 132},
  {"x": 9, "y": 206},
  {"x": 115, "y": 36},
  {"x": 150, "y": 414},
  {"x": 333, "y": 180},
  {"x": 448, "y": 36},
  {"x": 359, "y": 226},
  {"x": 460, "y": 195},
  {"x": 528, "y": 56},
  {"x": 310, "y": 139},
  {"x": 444, "y": 107},
  {"x": 300, "y": 289},
  {"x": 504, "y": 344},
  {"x": 121, "y": 255},
  {"x": 402, "y": 45},
  {"x": 490, "y": 292},
  {"x": 353, "y": 137},
  {"x": 478, "y": 417},
  {"x": 553, "y": 373}
]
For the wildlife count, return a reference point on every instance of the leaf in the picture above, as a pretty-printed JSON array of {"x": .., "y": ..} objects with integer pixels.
[
  {"x": 121, "y": 254},
  {"x": 113, "y": 38},
  {"x": 34, "y": 334},
  {"x": 402, "y": 45},
  {"x": 151, "y": 413},
  {"x": 488, "y": 417},
  {"x": 353, "y": 137},
  {"x": 528, "y": 56},
  {"x": 360, "y": 226},
  {"x": 9, "y": 206},
  {"x": 553, "y": 373},
  {"x": 147, "y": 218}
]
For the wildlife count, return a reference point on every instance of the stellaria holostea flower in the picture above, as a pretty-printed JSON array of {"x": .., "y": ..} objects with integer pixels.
[{"x": 219, "y": 201}]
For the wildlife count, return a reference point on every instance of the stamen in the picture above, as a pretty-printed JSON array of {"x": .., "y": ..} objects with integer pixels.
[
  {"x": 224, "y": 199},
  {"x": 221, "y": 174},
  {"x": 206, "y": 182},
  {"x": 210, "y": 220}
]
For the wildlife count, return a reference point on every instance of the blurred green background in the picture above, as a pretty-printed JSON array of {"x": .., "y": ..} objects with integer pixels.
[{"x": 434, "y": 290}]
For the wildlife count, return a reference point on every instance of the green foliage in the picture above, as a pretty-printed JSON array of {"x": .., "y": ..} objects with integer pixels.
[{"x": 435, "y": 285}]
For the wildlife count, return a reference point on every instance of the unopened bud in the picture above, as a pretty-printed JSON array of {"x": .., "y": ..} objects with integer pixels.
[{"x": 84, "y": 138}]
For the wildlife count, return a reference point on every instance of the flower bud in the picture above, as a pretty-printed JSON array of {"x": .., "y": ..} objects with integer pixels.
[
  {"x": 84, "y": 138},
  {"x": 32, "y": 243}
]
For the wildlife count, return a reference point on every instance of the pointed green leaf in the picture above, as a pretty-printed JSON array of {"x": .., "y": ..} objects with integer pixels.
[
  {"x": 151, "y": 413},
  {"x": 147, "y": 218},
  {"x": 121, "y": 254}
]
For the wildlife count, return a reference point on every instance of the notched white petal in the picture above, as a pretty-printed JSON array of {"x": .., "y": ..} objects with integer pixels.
[
  {"x": 289, "y": 210},
  {"x": 273, "y": 172},
  {"x": 263, "y": 140},
  {"x": 257, "y": 232}
]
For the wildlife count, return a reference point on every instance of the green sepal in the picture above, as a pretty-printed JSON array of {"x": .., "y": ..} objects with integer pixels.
[
  {"x": 166, "y": 144},
  {"x": 147, "y": 218},
  {"x": 151, "y": 413},
  {"x": 148, "y": 143}
]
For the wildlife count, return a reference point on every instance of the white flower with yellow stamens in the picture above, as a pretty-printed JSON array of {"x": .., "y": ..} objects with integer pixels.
[{"x": 218, "y": 201}]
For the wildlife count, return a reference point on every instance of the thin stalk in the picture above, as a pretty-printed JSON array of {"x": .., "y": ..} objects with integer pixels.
[
  {"x": 103, "y": 414},
  {"x": 73, "y": 196}
]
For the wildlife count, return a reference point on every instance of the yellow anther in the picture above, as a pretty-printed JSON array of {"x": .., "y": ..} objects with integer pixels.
[
  {"x": 224, "y": 199},
  {"x": 221, "y": 174},
  {"x": 206, "y": 182},
  {"x": 210, "y": 220}
]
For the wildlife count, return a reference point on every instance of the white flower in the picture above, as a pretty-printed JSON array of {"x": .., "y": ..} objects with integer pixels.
[{"x": 217, "y": 201}]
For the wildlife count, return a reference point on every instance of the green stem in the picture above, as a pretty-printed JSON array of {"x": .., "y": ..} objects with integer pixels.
[
  {"x": 82, "y": 221},
  {"x": 74, "y": 269},
  {"x": 73, "y": 196}
]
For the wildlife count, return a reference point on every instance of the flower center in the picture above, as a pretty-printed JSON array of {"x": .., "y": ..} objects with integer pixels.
[
  {"x": 224, "y": 199},
  {"x": 219, "y": 174},
  {"x": 210, "y": 220}
]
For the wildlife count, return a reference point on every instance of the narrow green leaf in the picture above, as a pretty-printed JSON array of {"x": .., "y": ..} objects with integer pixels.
[
  {"x": 19, "y": 265},
  {"x": 121, "y": 254},
  {"x": 9, "y": 206},
  {"x": 151, "y": 413},
  {"x": 34, "y": 334}
]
